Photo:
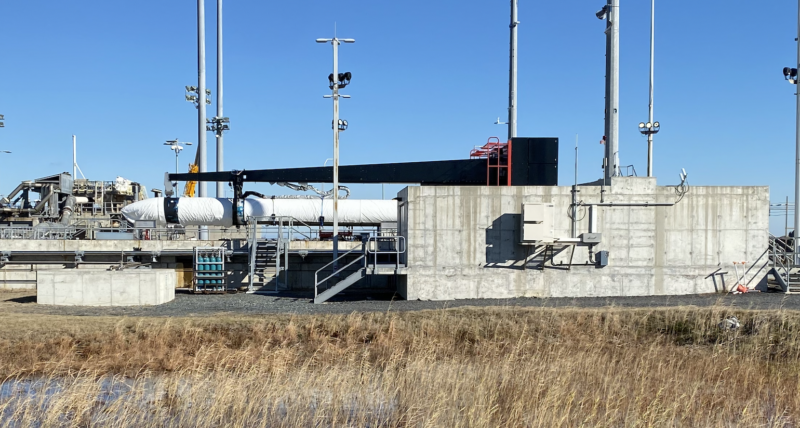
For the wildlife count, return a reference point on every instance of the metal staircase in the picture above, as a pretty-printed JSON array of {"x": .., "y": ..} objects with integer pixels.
[
  {"x": 268, "y": 258},
  {"x": 366, "y": 260},
  {"x": 784, "y": 272}
]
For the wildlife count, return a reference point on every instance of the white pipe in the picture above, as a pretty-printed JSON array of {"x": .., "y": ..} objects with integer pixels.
[{"x": 217, "y": 211}]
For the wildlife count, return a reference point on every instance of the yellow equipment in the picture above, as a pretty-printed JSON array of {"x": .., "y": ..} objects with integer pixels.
[{"x": 189, "y": 189}]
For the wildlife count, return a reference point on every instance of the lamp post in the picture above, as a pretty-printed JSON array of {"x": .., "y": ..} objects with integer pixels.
[
  {"x": 218, "y": 124},
  {"x": 610, "y": 12},
  {"x": 336, "y": 80},
  {"x": 176, "y": 146},
  {"x": 790, "y": 74},
  {"x": 512, "y": 78},
  {"x": 651, "y": 128}
]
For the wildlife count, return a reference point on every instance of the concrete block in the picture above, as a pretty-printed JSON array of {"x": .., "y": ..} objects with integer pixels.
[{"x": 94, "y": 287}]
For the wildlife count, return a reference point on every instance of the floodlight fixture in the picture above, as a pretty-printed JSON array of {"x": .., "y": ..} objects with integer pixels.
[
  {"x": 790, "y": 74},
  {"x": 324, "y": 40},
  {"x": 193, "y": 96},
  {"x": 649, "y": 128},
  {"x": 342, "y": 125},
  {"x": 601, "y": 14},
  {"x": 218, "y": 124}
]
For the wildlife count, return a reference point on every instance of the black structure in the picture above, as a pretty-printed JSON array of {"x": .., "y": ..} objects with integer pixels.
[{"x": 534, "y": 162}]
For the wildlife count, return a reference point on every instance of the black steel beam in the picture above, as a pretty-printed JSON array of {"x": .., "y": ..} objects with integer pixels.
[
  {"x": 534, "y": 162},
  {"x": 465, "y": 172}
]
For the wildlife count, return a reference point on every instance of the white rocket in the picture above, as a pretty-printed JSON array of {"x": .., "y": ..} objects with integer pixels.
[{"x": 219, "y": 211}]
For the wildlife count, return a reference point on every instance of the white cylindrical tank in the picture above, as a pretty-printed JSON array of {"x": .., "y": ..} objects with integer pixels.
[{"x": 217, "y": 211}]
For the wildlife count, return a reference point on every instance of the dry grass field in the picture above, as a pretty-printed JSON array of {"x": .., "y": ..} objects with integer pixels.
[{"x": 469, "y": 367}]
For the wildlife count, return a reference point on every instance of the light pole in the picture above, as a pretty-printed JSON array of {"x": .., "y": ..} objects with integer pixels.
[
  {"x": 610, "y": 12},
  {"x": 176, "y": 146},
  {"x": 336, "y": 81},
  {"x": 218, "y": 125},
  {"x": 201, "y": 106},
  {"x": 651, "y": 128},
  {"x": 512, "y": 78},
  {"x": 790, "y": 74}
]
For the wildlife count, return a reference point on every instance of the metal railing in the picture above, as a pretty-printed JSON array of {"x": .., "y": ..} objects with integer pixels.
[
  {"x": 371, "y": 247},
  {"x": 782, "y": 257},
  {"x": 317, "y": 282},
  {"x": 90, "y": 232},
  {"x": 377, "y": 245}
]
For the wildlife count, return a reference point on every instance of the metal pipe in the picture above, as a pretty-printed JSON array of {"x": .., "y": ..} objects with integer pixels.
[
  {"x": 512, "y": 79},
  {"x": 201, "y": 103},
  {"x": 220, "y": 163},
  {"x": 639, "y": 204},
  {"x": 652, "y": 65},
  {"x": 797, "y": 157}
]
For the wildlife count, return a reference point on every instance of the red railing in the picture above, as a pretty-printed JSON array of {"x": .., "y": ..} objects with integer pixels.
[{"x": 498, "y": 158}]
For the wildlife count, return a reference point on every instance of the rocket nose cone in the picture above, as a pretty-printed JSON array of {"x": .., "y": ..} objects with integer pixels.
[{"x": 147, "y": 209}]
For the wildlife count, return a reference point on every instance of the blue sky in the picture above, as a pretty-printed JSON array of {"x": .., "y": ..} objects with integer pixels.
[{"x": 430, "y": 78}]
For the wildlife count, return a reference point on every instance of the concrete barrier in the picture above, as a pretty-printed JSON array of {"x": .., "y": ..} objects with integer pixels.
[{"x": 94, "y": 287}]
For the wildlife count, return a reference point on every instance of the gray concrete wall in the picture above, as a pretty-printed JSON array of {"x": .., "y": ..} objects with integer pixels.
[
  {"x": 463, "y": 241},
  {"x": 95, "y": 287}
]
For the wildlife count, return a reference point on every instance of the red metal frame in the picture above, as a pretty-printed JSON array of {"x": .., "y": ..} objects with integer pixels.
[{"x": 494, "y": 149}]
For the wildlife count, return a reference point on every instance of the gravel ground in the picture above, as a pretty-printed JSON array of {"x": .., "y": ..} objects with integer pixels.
[{"x": 205, "y": 305}]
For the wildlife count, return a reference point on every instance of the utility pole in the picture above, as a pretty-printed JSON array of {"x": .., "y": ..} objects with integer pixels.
[
  {"x": 335, "y": 83},
  {"x": 220, "y": 156},
  {"x": 610, "y": 12},
  {"x": 512, "y": 78},
  {"x": 201, "y": 104}
]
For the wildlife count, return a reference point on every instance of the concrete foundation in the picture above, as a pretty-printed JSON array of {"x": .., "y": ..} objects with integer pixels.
[
  {"x": 463, "y": 242},
  {"x": 94, "y": 287}
]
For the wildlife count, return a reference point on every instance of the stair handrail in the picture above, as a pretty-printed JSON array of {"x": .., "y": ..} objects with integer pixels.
[
  {"x": 779, "y": 257},
  {"x": 338, "y": 271}
]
